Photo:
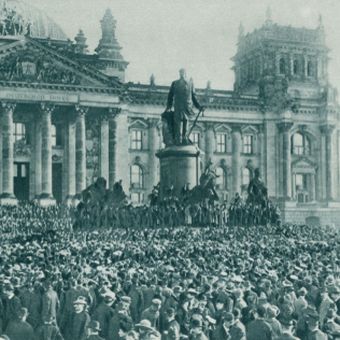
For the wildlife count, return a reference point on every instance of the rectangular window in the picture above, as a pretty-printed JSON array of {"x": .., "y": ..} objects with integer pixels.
[
  {"x": 19, "y": 131},
  {"x": 136, "y": 139},
  {"x": 221, "y": 146},
  {"x": 248, "y": 144},
  {"x": 23, "y": 170},
  {"x": 15, "y": 170},
  {"x": 137, "y": 197},
  {"x": 195, "y": 138}
]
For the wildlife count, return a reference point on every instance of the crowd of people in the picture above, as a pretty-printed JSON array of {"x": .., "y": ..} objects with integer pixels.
[{"x": 264, "y": 282}]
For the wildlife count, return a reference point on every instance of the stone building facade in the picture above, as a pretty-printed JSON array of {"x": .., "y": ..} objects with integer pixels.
[{"x": 68, "y": 117}]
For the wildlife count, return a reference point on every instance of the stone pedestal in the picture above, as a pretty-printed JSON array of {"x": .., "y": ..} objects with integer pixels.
[{"x": 179, "y": 165}]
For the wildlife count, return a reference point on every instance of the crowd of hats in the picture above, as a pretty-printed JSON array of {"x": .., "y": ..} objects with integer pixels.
[{"x": 203, "y": 278}]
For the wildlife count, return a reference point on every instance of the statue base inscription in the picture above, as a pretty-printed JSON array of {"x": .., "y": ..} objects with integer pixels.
[{"x": 179, "y": 165}]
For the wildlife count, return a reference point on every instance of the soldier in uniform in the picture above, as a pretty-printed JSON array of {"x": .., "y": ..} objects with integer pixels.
[{"x": 181, "y": 96}]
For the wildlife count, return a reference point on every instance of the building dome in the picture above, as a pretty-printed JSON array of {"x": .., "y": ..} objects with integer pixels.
[{"x": 19, "y": 18}]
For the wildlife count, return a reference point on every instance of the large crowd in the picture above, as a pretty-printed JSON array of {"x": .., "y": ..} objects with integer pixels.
[{"x": 269, "y": 282}]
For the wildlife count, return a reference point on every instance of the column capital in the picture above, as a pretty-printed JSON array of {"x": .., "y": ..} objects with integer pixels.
[
  {"x": 153, "y": 122},
  {"x": 8, "y": 106},
  {"x": 235, "y": 127},
  {"x": 209, "y": 125},
  {"x": 111, "y": 112},
  {"x": 327, "y": 129},
  {"x": 81, "y": 110},
  {"x": 47, "y": 108},
  {"x": 285, "y": 126}
]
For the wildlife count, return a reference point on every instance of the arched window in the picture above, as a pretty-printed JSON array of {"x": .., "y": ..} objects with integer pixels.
[
  {"x": 19, "y": 132},
  {"x": 282, "y": 66},
  {"x": 245, "y": 176},
  {"x": 300, "y": 144},
  {"x": 296, "y": 67},
  {"x": 221, "y": 180},
  {"x": 136, "y": 177}
]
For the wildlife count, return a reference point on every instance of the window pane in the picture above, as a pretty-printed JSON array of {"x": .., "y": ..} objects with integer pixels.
[
  {"x": 221, "y": 143},
  {"x": 298, "y": 144},
  {"x": 19, "y": 131},
  {"x": 248, "y": 144},
  {"x": 136, "y": 176},
  {"x": 195, "y": 138},
  {"x": 23, "y": 170},
  {"x": 136, "y": 139}
]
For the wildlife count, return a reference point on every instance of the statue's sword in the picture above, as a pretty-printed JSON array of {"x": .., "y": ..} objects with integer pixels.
[{"x": 194, "y": 123}]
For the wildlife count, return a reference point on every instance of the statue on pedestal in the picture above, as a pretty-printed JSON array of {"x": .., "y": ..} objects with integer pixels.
[{"x": 175, "y": 123}]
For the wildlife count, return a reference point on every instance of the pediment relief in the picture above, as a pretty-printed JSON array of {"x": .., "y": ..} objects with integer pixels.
[{"x": 30, "y": 63}]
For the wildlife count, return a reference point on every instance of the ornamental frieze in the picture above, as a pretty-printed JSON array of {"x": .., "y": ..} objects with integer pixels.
[
  {"x": 30, "y": 66},
  {"x": 21, "y": 148}
]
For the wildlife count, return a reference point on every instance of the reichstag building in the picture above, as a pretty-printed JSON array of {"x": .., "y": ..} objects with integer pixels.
[{"x": 68, "y": 117}]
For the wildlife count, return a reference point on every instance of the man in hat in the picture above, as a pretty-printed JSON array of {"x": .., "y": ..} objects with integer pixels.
[
  {"x": 104, "y": 312},
  {"x": 146, "y": 331},
  {"x": 152, "y": 313},
  {"x": 172, "y": 329},
  {"x": 93, "y": 330},
  {"x": 12, "y": 305},
  {"x": 76, "y": 325},
  {"x": 196, "y": 330},
  {"x": 50, "y": 302},
  {"x": 272, "y": 313},
  {"x": 19, "y": 329},
  {"x": 48, "y": 331},
  {"x": 330, "y": 298},
  {"x": 121, "y": 322},
  {"x": 314, "y": 332},
  {"x": 259, "y": 328}
]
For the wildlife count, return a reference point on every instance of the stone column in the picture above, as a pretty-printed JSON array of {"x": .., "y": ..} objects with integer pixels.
[
  {"x": 312, "y": 187},
  {"x": 104, "y": 147},
  {"x": 305, "y": 59},
  {"x": 209, "y": 142},
  {"x": 113, "y": 112},
  {"x": 31, "y": 126},
  {"x": 37, "y": 155},
  {"x": 262, "y": 151},
  {"x": 284, "y": 128},
  {"x": 7, "y": 153},
  {"x": 46, "y": 152},
  {"x": 327, "y": 130},
  {"x": 291, "y": 64},
  {"x": 70, "y": 149},
  {"x": 153, "y": 149},
  {"x": 236, "y": 158},
  {"x": 293, "y": 187},
  {"x": 80, "y": 149}
]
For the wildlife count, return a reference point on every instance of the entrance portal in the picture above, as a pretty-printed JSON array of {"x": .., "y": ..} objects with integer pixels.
[{"x": 21, "y": 181}]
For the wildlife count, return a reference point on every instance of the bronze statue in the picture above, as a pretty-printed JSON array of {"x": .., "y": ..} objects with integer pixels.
[{"x": 182, "y": 97}]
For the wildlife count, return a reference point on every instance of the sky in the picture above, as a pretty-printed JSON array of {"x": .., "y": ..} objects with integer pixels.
[{"x": 161, "y": 36}]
